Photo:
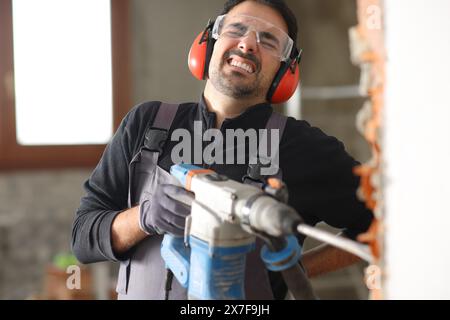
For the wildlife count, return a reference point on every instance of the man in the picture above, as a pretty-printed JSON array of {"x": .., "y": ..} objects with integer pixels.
[{"x": 130, "y": 202}]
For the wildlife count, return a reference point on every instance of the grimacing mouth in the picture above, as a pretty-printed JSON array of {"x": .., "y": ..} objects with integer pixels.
[
  {"x": 241, "y": 65},
  {"x": 247, "y": 63}
]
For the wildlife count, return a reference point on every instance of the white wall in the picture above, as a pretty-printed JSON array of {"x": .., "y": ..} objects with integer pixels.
[{"x": 417, "y": 149}]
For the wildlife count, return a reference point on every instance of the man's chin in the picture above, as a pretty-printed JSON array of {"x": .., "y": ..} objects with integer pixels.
[
  {"x": 236, "y": 84},
  {"x": 236, "y": 78},
  {"x": 240, "y": 92}
]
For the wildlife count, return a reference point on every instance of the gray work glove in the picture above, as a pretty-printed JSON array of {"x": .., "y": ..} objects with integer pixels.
[{"x": 166, "y": 210}]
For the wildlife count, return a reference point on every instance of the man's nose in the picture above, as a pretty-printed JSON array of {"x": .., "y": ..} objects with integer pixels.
[{"x": 249, "y": 43}]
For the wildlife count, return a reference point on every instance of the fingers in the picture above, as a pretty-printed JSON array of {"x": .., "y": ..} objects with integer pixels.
[
  {"x": 171, "y": 200},
  {"x": 174, "y": 190},
  {"x": 175, "y": 220},
  {"x": 172, "y": 224},
  {"x": 178, "y": 193},
  {"x": 175, "y": 207},
  {"x": 169, "y": 212},
  {"x": 175, "y": 231},
  {"x": 166, "y": 227}
]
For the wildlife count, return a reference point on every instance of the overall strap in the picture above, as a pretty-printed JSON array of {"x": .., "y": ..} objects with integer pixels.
[
  {"x": 276, "y": 121},
  {"x": 165, "y": 115},
  {"x": 253, "y": 176},
  {"x": 157, "y": 134}
]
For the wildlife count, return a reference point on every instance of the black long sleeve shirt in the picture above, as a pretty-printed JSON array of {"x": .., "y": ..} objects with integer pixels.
[{"x": 316, "y": 169}]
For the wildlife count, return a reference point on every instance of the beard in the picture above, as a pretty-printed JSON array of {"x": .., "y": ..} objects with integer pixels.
[{"x": 235, "y": 84}]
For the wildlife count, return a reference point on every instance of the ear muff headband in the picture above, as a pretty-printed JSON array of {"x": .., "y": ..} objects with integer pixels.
[{"x": 285, "y": 81}]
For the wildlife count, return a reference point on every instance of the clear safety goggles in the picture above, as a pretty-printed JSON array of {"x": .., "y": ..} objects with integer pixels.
[{"x": 270, "y": 38}]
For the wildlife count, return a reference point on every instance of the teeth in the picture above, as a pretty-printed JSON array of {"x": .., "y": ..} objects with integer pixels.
[{"x": 242, "y": 65}]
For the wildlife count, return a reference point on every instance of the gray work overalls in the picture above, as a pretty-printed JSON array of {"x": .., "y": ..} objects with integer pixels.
[{"x": 143, "y": 275}]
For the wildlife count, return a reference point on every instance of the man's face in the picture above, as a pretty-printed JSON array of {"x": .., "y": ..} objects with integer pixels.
[{"x": 238, "y": 67}]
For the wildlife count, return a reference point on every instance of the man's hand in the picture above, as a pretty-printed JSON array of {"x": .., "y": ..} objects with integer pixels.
[
  {"x": 159, "y": 212},
  {"x": 164, "y": 212}
]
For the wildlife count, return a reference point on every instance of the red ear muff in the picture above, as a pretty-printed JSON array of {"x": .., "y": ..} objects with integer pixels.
[
  {"x": 286, "y": 80},
  {"x": 200, "y": 53},
  {"x": 287, "y": 85},
  {"x": 197, "y": 57}
]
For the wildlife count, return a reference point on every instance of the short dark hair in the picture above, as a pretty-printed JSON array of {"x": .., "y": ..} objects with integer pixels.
[{"x": 278, "y": 5}]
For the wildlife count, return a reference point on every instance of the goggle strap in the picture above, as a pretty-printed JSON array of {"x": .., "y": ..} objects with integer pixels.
[
  {"x": 296, "y": 61},
  {"x": 206, "y": 33}
]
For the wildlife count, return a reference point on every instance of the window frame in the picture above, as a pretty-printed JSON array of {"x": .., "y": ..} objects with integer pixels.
[{"x": 17, "y": 157}]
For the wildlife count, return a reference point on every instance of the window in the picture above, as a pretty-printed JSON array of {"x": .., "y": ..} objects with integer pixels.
[{"x": 64, "y": 80}]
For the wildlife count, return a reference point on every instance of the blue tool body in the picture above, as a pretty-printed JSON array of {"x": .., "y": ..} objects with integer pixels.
[{"x": 210, "y": 271}]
